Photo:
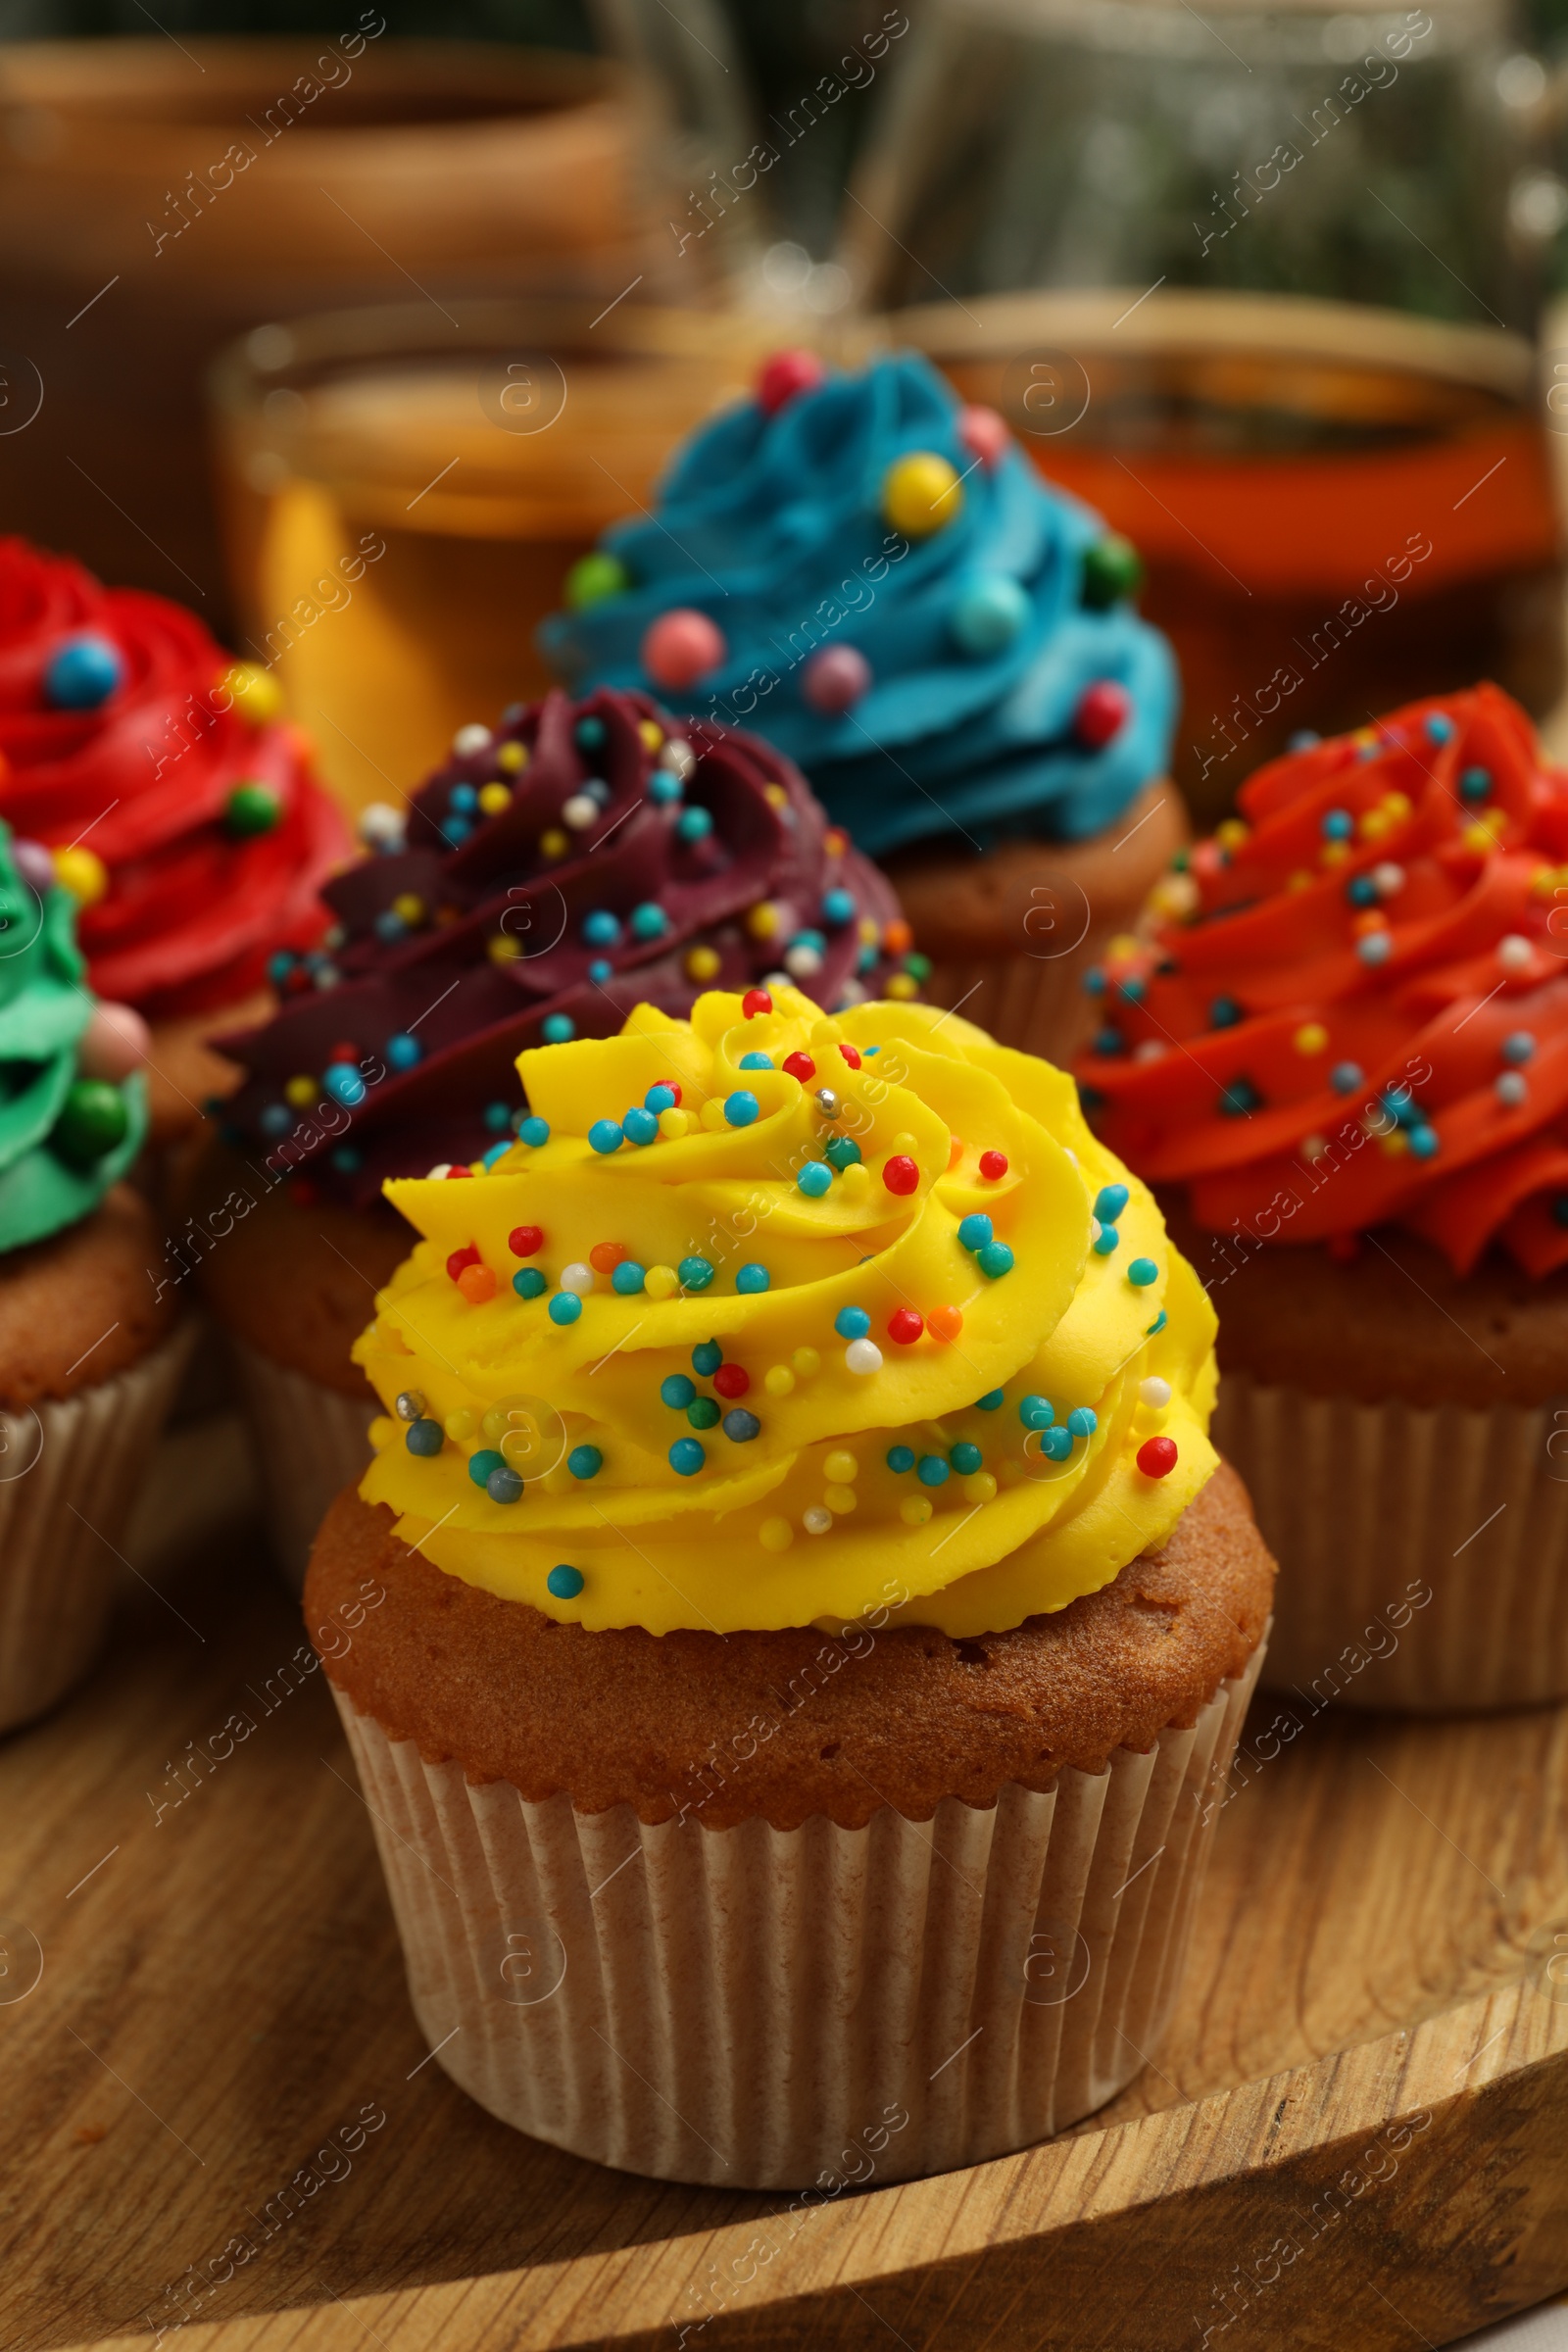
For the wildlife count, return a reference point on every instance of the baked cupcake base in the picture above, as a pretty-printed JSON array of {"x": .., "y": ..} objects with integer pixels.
[
  {"x": 90, "y": 1363},
  {"x": 1403, "y": 1433},
  {"x": 292, "y": 1285},
  {"x": 1012, "y": 933},
  {"x": 937, "y": 1911}
]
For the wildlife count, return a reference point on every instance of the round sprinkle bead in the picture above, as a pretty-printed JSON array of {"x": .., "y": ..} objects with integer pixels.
[
  {"x": 732, "y": 1379},
  {"x": 852, "y": 1323},
  {"x": 862, "y": 1356},
  {"x": 629, "y": 1278},
  {"x": 944, "y": 1322},
  {"x": 965, "y": 1457},
  {"x": 992, "y": 1166},
  {"x": 680, "y": 647},
  {"x": 1106, "y": 1242},
  {"x": 425, "y": 1437},
  {"x": 707, "y": 1356},
  {"x": 1515, "y": 953},
  {"x": 1141, "y": 1272},
  {"x": 775, "y": 1535},
  {"x": 741, "y": 1108},
  {"x": 904, "y": 1325},
  {"x": 974, "y": 1230},
  {"x": 533, "y": 1132},
  {"x": 504, "y": 1484},
  {"x": 900, "y": 1174},
  {"x": 899, "y": 1459},
  {"x": 1154, "y": 1392},
  {"x": 814, "y": 1179},
  {"x": 639, "y": 1126},
  {"x": 677, "y": 1391},
  {"x": 1081, "y": 1421},
  {"x": 410, "y": 1406},
  {"x": 914, "y": 1510},
  {"x": 1512, "y": 1089},
  {"x": 1156, "y": 1457},
  {"x": 751, "y": 1279},
  {"x": 577, "y": 1277},
  {"x": 835, "y": 679},
  {"x": 565, "y": 1583},
  {"x": 558, "y": 1028},
  {"x": 585, "y": 1461},
  {"x": 994, "y": 1259},
  {"x": 740, "y": 1425},
  {"x": 1035, "y": 1412},
  {"x": 801, "y": 1066},
  {"x": 702, "y": 1413},
  {"x": 529, "y": 1283},
  {"x": 816, "y": 1519},
  {"x": 686, "y": 1457},
  {"x": 565, "y": 1307},
  {"x": 932, "y": 1470},
  {"x": 1109, "y": 1202},
  {"x": 1055, "y": 1442}
]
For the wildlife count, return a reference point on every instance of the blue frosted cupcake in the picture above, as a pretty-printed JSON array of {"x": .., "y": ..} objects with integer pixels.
[{"x": 876, "y": 578}]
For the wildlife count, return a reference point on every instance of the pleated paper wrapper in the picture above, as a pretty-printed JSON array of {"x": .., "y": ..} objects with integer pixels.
[
  {"x": 1368, "y": 1506},
  {"x": 311, "y": 1442},
  {"x": 70, "y": 1473},
  {"x": 752, "y": 2007}
]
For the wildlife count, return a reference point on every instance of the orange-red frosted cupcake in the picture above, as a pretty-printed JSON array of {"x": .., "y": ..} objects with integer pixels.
[{"x": 1341, "y": 1049}]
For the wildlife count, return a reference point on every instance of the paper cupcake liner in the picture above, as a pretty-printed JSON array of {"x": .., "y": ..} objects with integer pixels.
[
  {"x": 70, "y": 1474},
  {"x": 311, "y": 1442},
  {"x": 1423, "y": 1553},
  {"x": 753, "y": 2007}
]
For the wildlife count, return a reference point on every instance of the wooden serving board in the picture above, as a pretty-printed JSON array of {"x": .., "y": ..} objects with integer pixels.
[{"x": 1355, "y": 2133}]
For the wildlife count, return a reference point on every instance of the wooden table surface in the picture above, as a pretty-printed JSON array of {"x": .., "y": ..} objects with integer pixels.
[{"x": 220, "y": 1998}]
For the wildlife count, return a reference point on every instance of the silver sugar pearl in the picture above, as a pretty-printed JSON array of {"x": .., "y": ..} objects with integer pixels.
[
  {"x": 827, "y": 1103},
  {"x": 409, "y": 1406}
]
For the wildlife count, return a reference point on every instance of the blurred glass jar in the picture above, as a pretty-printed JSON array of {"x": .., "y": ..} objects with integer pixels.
[
  {"x": 150, "y": 212},
  {"x": 1340, "y": 508},
  {"x": 1381, "y": 157},
  {"x": 402, "y": 499}
]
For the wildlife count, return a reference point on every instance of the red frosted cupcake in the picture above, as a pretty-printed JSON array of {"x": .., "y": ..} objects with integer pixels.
[
  {"x": 184, "y": 817},
  {"x": 1342, "y": 1051}
]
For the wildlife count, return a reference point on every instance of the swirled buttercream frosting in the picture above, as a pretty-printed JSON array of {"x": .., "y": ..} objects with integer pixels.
[
  {"x": 581, "y": 860},
  {"x": 64, "y": 1138},
  {"x": 879, "y": 579},
  {"x": 771, "y": 1318},
  {"x": 1351, "y": 1008},
  {"x": 184, "y": 817}
]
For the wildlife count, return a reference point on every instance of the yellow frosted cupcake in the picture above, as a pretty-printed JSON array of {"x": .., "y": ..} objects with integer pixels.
[{"x": 799, "y": 1438}]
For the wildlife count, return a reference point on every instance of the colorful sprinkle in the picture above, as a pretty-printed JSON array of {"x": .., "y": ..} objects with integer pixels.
[
  {"x": 585, "y": 1461},
  {"x": 707, "y": 1356},
  {"x": 904, "y": 1325},
  {"x": 801, "y": 1066},
  {"x": 686, "y": 1457},
  {"x": 425, "y": 1437},
  {"x": 992, "y": 1166},
  {"x": 1156, "y": 1457},
  {"x": 702, "y": 1413},
  {"x": 814, "y": 1179},
  {"x": 529, "y": 1283},
  {"x": 566, "y": 1582},
  {"x": 965, "y": 1457},
  {"x": 741, "y": 1108},
  {"x": 862, "y": 1356},
  {"x": 900, "y": 1174},
  {"x": 994, "y": 1259},
  {"x": 639, "y": 1126},
  {"x": 732, "y": 1379},
  {"x": 751, "y": 1279},
  {"x": 974, "y": 1230},
  {"x": 629, "y": 1278},
  {"x": 1036, "y": 1412},
  {"x": 1141, "y": 1272},
  {"x": 1081, "y": 1421},
  {"x": 932, "y": 1470},
  {"x": 852, "y": 1323},
  {"x": 558, "y": 1028},
  {"x": 740, "y": 1425},
  {"x": 841, "y": 1151},
  {"x": 565, "y": 1307},
  {"x": 944, "y": 1322}
]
